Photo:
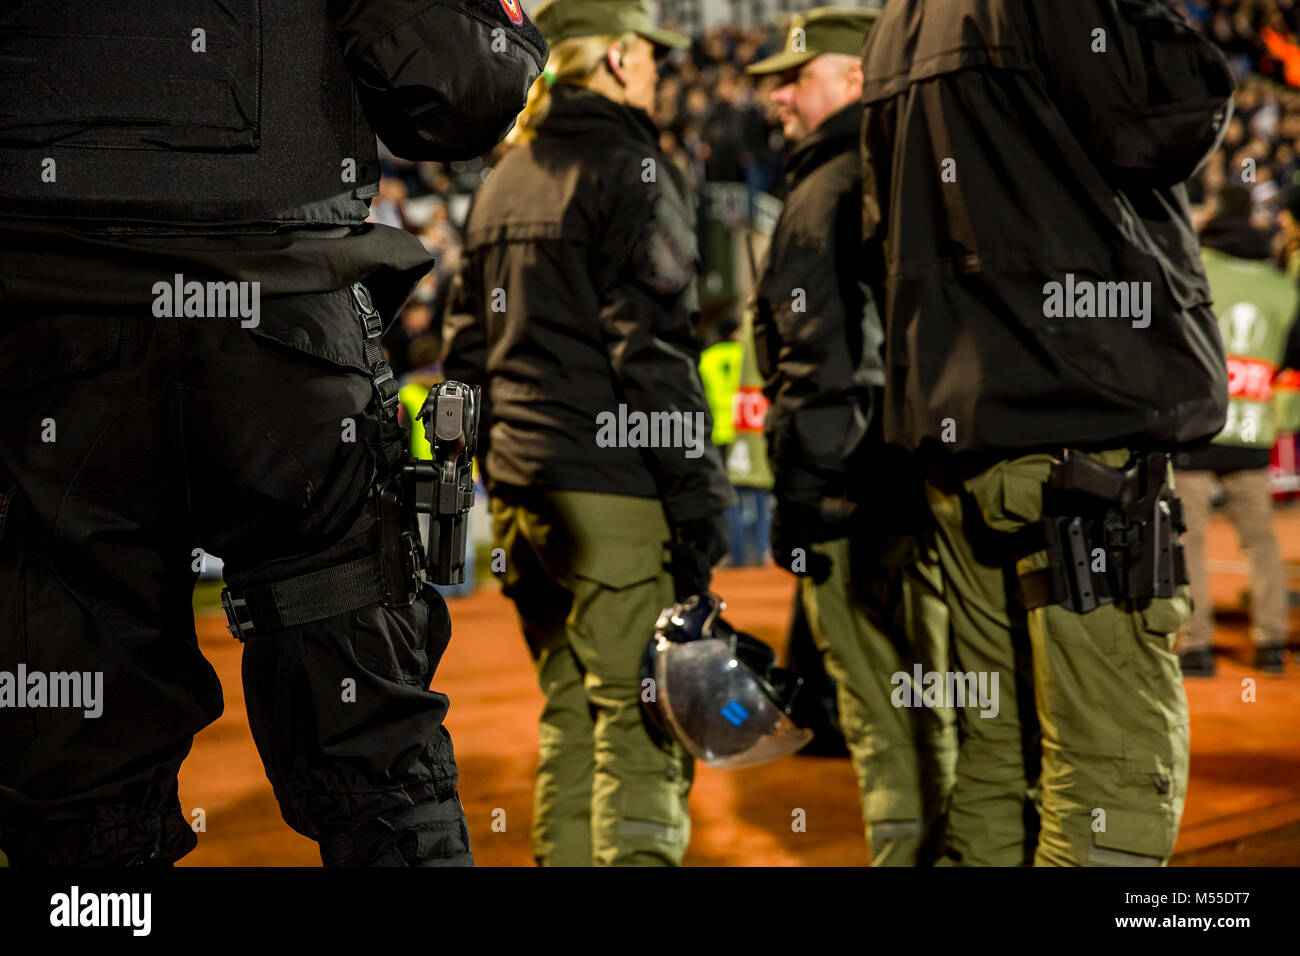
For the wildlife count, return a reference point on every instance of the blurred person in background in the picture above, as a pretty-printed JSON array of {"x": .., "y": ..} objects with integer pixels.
[
  {"x": 850, "y": 515},
  {"x": 415, "y": 320},
  {"x": 576, "y": 299},
  {"x": 1288, "y": 239},
  {"x": 1257, "y": 309},
  {"x": 386, "y": 208}
]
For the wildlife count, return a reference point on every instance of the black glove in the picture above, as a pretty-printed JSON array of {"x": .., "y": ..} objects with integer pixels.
[
  {"x": 696, "y": 547},
  {"x": 794, "y": 529}
]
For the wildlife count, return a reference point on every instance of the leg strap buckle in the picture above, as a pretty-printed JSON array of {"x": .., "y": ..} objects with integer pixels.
[{"x": 239, "y": 624}]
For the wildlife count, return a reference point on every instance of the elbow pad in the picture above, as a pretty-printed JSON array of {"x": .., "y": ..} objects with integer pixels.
[
  {"x": 442, "y": 80},
  {"x": 1181, "y": 105}
]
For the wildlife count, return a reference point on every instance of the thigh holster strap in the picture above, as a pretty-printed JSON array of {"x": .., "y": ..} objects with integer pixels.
[
  {"x": 381, "y": 373},
  {"x": 306, "y": 598},
  {"x": 1111, "y": 534},
  {"x": 1071, "y": 578}
]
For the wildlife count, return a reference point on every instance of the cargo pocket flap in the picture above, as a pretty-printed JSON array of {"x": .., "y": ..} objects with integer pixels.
[
  {"x": 1022, "y": 497},
  {"x": 1010, "y": 494},
  {"x": 1166, "y": 615},
  {"x": 38, "y": 350},
  {"x": 621, "y": 565},
  {"x": 1133, "y": 839}
]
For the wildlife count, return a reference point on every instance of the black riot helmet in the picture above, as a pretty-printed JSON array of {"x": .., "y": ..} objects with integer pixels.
[{"x": 716, "y": 690}]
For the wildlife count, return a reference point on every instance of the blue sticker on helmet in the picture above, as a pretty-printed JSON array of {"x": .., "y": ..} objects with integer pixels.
[{"x": 735, "y": 714}]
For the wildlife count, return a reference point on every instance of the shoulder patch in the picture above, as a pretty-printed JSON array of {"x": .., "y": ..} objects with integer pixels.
[{"x": 513, "y": 10}]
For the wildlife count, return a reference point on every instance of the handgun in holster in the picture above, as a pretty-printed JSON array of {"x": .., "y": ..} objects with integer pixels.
[
  {"x": 1130, "y": 513},
  {"x": 442, "y": 488}
]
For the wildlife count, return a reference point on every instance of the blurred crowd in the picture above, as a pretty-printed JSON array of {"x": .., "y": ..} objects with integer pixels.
[{"x": 1261, "y": 39}]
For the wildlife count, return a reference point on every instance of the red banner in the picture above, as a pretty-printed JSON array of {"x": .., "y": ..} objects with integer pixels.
[
  {"x": 1250, "y": 378},
  {"x": 748, "y": 409}
]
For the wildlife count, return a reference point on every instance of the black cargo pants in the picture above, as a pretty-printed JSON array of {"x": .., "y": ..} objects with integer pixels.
[{"x": 128, "y": 442}]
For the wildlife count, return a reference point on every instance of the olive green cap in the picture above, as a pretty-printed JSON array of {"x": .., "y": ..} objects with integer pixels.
[
  {"x": 564, "y": 19},
  {"x": 817, "y": 31}
]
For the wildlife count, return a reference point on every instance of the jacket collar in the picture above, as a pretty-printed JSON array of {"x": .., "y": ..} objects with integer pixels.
[
  {"x": 578, "y": 111},
  {"x": 838, "y": 134}
]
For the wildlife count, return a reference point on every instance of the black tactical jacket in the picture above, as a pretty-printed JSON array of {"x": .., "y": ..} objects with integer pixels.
[
  {"x": 815, "y": 327},
  {"x": 244, "y": 115},
  {"x": 577, "y": 295},
  {"x": 1010, "y": 144}
]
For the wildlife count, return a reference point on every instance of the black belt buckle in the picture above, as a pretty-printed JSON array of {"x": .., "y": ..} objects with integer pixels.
[{"x": 240, "y": 626}]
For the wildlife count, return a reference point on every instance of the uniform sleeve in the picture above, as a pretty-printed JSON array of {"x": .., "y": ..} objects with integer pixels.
[
  {"x": 876, "y": 155},
  {"x": 464, "y": 338},
  {"x": 823, "y": 334},
  {"x": 647, "y": 308},
  {"x": 442, "y": 80},
  {"x": 1147, "y": 95}
]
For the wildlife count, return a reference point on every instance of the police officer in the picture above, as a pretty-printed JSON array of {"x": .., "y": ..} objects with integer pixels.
[
  {"x": 574, "y": 307},
  {"x": 1048, "y": 340},
  {"x": 847, "y": 506},
  {"x": 190, "y": 363}
]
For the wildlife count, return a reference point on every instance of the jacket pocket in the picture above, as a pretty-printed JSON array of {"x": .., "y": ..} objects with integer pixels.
[
  {"x": 324, "y": 326},
  {"x": 174, "y": 76}
]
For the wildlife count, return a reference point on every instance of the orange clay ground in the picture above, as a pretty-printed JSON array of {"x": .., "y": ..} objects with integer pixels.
[{"x": 1243, "y": 803}]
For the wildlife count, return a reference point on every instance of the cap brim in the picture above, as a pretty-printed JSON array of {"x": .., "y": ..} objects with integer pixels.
[
  {"x": 665, "y": 38},
  {"x": 779, "y": 63}
]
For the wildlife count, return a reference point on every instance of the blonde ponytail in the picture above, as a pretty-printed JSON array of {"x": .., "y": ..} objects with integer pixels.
[
  {"x": 572, "y": 62},
  {"x": 535, "y": 109}
]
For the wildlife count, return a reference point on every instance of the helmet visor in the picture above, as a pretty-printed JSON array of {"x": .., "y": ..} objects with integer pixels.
[{"x": 718, "y": 708}]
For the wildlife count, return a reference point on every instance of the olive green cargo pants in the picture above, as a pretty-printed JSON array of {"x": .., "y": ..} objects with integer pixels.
[
  {"x": 878, "y": 615},
  {"x": 1097, "y": 697},
  {"x": 586, "y": 572}
]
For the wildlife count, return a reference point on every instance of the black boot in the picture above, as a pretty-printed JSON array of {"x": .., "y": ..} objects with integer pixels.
[
  {"x": 1197, "y": 663},
  {"x": 1270, "y": 658}
]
